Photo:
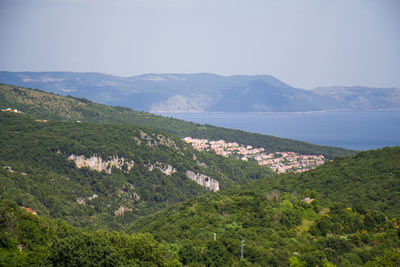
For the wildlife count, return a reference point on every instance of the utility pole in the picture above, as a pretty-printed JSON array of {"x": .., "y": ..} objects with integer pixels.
[{"x": 242, "y": 249}]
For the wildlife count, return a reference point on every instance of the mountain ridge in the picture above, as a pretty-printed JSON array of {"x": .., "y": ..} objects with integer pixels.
[{"x": 203, "y": 92}]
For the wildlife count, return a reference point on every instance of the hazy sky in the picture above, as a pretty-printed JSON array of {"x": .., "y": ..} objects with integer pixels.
[{"x": 305, "y": 43}]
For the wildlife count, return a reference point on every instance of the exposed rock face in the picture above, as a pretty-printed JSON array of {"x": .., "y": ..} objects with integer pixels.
[
  {"x": 154, "y": 140},
  {"x": 182, "y": 103},
  {"x": 163, "y": 167},
  {"x": 201, "y": 164},
  {"x": 93, "y": 197},
  {"x": 146, "y": 138},
  {"x": 137, "y": 140},
  {"x": 203, "y": 180},
  {"x": 8, "y": 168},
  {"x": 307, "y": 200},
  {"x": 166, "y": 141},
  {"x": 81, "y": 200},
  {"x": 97, "y": 164},
  {"x": 127, "y": 192},
  {"x": 121, "y": 211}
]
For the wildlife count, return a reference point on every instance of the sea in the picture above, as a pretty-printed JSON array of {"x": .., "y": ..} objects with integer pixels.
[{"x": 360, "y": 130}]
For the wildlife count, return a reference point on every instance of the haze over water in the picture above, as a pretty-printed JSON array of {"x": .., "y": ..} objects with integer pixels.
[{"x": 353, "y": 130}]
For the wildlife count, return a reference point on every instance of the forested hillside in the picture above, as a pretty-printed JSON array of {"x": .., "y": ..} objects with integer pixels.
[
  {"x": 106, "y": 175},
  {"x": 344, "y": 213},
  {"x": 64, "y": 159},
  {"x": 31, "y": 240},
  {"x": 370, "y": 179},
  {"x": 55, "y": 107}
]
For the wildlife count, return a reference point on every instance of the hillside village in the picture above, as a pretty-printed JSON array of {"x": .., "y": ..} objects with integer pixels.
[{"x": 280, "y": 162}]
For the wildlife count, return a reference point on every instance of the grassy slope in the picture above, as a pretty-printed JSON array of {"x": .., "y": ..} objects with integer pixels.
[{"x": 55, "y": 107}]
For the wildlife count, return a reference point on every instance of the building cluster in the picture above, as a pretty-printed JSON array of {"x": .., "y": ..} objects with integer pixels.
[
  {"x": 280, "y": 162},
  {"x": 283, "y": 162},
  {"x": 11, "y": 110}
]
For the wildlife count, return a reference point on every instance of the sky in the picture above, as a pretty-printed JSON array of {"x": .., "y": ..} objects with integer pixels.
[{"x": 304, "y": 43}]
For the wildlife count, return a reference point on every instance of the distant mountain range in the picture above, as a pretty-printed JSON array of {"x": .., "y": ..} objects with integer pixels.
[{"x": 205, "y": 92}]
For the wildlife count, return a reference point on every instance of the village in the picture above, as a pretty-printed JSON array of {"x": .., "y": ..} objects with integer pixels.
[{"x": 280, "y": 162}]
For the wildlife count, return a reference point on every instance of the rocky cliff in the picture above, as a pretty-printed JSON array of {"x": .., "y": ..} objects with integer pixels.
[
  {"x": 163, "y": 167},
  {"x": 96, "y": 163},
  {"x": 203, "y": 180}
]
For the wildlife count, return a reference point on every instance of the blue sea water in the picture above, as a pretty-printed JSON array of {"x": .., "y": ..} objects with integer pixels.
[{"x": 355, "y": 130}]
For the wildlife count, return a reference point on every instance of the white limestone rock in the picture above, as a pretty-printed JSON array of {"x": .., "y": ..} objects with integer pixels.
[
  {"x": 96, "y": 163},
  {"x": 93, "y": 197},
  {"x": 167, "y": 141},
  {"x": 203, "y": 180},
  {"x": 163, "y": 167},
  {"x": 121, "y": 211},
  {"x": 81, "y": 200}
]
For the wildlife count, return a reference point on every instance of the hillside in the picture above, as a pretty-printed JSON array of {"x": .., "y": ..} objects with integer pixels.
[
  {"x": 31, "y": 240},
  {"x": 106, "y": 175},
  {"x": 150, "y": 183},
  {"x": 277, "y": 228},
  {"x": 370, "y": 178},
  {"x": 204, "y": 92},
  {"x": 345, "y": 212},
  {"x": 55, "y": 107},
  {"x": 358, "y": 98}
]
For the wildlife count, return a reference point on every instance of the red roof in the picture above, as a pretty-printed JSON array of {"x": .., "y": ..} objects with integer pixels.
[{"x": 30, "y": 210}]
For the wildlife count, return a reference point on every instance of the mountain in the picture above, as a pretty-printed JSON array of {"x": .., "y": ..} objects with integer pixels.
[
  {"x": 106, "y": 175},
  {"x": 359, "y": 98},
  {"x": 204, "y": 92},
  {"x": 51, "y": 106},
  {"x": 345, "y": 212}
]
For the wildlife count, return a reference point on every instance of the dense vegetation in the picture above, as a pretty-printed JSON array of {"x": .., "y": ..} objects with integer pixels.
[
  {"x": 36, "y": 173},
  {"x": 280, "y": 228},
  {"x": 370, "y": 179},
  {"x": 345, "y": 212},
  {"x": 27, "y": 239},
  {"x": 55, "y": 107}
]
